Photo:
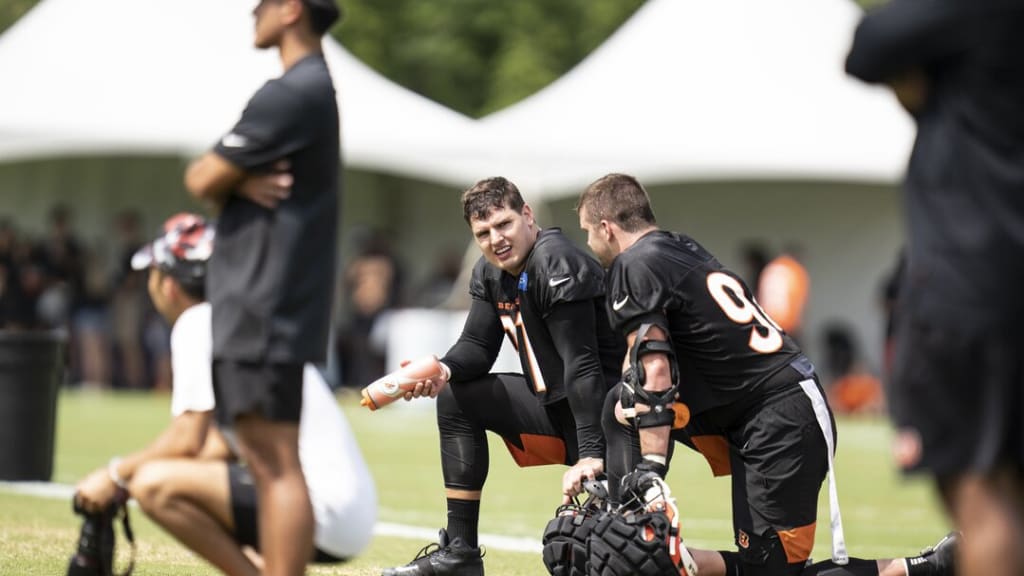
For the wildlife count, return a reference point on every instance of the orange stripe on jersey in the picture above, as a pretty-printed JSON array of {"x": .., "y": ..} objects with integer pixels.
[
  {"x": 716, "y": 451},
  {"x": 537, "y": 450},
  {"x": 798, "y": 542}
]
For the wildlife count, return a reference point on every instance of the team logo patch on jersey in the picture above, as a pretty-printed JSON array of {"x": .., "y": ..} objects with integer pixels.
[
  {"x": 523, "y": 281},
  {"x": 232, "y": 140},
  {"x": 742, "y": 539}
]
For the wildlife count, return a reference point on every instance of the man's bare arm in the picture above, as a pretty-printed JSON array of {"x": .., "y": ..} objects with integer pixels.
[{"x": 212, "y": 178}]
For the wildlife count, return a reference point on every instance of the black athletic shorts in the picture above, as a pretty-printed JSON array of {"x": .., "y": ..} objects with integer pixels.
[
  {"x": 245, "y": 512},
  {"x": 778, "y": 457},
  {"x": 962, "y": 391},
  {"x": 273, "y": 391},
  {"x": 535, "y": 434}
]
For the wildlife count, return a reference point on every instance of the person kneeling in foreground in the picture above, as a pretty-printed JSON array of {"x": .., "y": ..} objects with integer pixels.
[{"x": 189, "y": 480}]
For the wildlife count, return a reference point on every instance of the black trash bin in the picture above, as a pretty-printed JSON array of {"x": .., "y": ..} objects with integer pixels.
[{"x": 31, "y": 370}]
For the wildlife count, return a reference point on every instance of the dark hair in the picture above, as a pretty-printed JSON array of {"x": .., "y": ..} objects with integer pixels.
[
  {"x": 194, "y": 288},
  {"x": 322, "y": 14},
  {"x": 618, "y": 198},
  {"x": 490, "y": 194}
]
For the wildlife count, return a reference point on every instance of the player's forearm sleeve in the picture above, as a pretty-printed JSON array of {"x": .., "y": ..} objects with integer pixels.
[
  {"x": 573, "y": 329},
  {"x": 906, "y": 35},
  {"x": 477, "y": 347}
]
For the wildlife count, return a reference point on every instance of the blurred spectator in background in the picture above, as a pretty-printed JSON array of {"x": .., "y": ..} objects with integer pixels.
[
  {"x": 372, "y": 285},
  {"x": 62, "y": 256},
  {"x": 129, "y": 306},
  {"x": 92, "y": 354},
  {"x": 60, "y": 282},
  {"x": 850, "y": 386},
  {"x": 783, "y": 289},
  {"x": 438, "y": 286},
  {"x": 755, "y": 258},
  {"x": 12, "y": 304}
]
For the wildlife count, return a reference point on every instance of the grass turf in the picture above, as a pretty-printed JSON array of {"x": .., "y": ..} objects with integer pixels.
[{"x": 884, "y": 515}]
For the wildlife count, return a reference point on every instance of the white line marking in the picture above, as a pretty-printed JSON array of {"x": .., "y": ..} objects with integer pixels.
[{"x": 495, "y": 541}]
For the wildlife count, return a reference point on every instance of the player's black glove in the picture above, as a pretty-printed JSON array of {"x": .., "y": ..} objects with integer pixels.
[{"x": 637, "y": 483}]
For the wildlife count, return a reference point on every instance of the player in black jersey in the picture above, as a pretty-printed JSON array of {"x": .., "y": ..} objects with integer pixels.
[
  {"x": 706, "y": 366},
  {"x": 957, "y": 384},
  {"x": 547, "y": 296}
]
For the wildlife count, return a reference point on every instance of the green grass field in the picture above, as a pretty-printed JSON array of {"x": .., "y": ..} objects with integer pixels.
[{"x": 884, "y": 515}]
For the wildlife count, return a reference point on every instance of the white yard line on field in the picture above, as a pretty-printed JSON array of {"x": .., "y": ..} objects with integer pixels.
[{"x": 494, "y": 541}]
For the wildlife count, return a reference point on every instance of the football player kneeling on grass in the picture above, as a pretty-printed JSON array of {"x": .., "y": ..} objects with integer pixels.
[
  {"x": 189, "y": 479},
  {"x": 708, "y": 369}
]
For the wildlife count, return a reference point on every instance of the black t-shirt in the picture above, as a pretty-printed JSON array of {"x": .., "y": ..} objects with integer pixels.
[
  {"x": 272, "y": 271},
  {"x": 965, "y": 182},
  {"x": 553, "y": 312},
  {"x": 725, "y": 344}
]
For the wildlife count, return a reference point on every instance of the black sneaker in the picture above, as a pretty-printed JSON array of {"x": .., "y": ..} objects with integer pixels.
[
  {"x": 939, "y": 559},
  {"x": 443, "y": 558}
]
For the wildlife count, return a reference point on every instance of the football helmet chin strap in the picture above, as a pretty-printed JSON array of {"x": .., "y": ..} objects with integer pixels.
[{"x": 661, "y": 412}]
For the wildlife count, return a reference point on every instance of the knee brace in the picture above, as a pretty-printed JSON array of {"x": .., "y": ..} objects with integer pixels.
[{"x": 661, "y": 412}]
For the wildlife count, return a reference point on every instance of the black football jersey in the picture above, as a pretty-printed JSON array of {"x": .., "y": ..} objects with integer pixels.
[
  {"x": 964, "y": 190},
  {"x": 271, "y": 276},
  {"x": 556, "y": 271},
  {"x": 724, "y": 342}
]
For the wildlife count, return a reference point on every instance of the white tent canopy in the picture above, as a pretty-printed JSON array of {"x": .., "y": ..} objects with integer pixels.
[
  {"x": 709, "y": 89},
  {"x": 170, "y": 76}
]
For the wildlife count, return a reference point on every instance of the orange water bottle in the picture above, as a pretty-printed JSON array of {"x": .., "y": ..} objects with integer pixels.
[{"x": 392, "y": 386}]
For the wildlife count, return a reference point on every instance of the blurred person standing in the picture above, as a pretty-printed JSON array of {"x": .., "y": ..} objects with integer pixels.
[
  {"x": 957, "y": 384},
  {"x": 128, "y": 307},
  {"x": 12, "y": 306},
  {"x": 755, "y": 258},
  {"x": 273, "y": 269},
  {"x": 372, "y": 284},
  {"x": 64, "y": 260},
  {"x": 782, "y": 290}
]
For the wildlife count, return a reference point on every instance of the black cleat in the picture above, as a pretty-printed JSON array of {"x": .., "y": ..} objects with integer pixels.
[
  {"x": 939, "y": 559},
  {"x": 443, "y": 558}
]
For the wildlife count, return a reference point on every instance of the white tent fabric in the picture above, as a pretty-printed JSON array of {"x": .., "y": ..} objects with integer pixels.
[
  {"x": 170, "y": 76},
  {"x": 709, "y": 89}
]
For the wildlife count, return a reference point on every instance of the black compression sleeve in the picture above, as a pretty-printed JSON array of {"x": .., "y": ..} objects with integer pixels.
[
  {"x": 476, "y": 349},
  {"x": 573, "y": 329}
]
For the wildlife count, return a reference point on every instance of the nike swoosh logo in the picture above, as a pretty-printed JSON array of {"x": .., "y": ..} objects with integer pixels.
[
  {"x": 233, "y": 140},
  {"x": 556, "y": 281},
  {"x": 617, "y": 305}
]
